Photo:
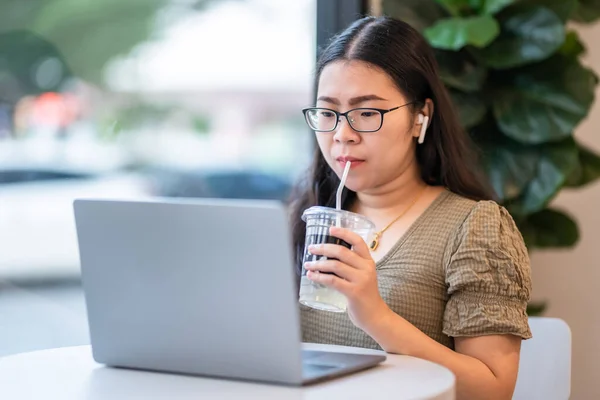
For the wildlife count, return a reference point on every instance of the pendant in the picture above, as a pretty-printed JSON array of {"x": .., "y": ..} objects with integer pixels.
[{"x": 375, "y": 243}]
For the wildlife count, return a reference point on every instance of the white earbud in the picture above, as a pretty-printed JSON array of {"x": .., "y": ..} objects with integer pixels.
[{"x": 424, "y": 121}]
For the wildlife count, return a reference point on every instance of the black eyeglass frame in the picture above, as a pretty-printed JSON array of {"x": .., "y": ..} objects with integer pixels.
[{"x": 338, "y": 115}]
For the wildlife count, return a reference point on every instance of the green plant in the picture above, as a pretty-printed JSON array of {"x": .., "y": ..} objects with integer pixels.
[{"x": 514, "y": 72}]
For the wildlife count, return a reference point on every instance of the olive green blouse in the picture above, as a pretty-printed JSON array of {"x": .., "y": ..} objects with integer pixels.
[{"x": 461, "y": 269}]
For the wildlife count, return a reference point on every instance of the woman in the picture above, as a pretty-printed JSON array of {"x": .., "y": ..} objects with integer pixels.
[{"x": 448, "y": 279}]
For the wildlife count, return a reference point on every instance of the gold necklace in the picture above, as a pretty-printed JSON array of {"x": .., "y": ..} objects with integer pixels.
[{"x": 375, "y": 242}]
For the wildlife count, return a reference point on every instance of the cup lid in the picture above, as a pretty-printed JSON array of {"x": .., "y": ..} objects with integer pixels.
[{"x": 320, "y": 211}]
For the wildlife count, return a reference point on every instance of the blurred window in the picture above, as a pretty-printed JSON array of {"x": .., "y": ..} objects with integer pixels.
[{"x": 198, "y": 98}]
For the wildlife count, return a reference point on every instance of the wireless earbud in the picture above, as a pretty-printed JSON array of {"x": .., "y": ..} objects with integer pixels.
[{"x": 424, "y": 121}]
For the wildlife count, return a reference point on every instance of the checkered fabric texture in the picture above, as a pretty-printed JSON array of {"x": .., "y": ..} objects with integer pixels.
[{"x": 460, "y": 270}]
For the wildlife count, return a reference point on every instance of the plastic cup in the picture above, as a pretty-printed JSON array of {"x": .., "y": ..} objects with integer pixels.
[{"x": 318, "y": 221}]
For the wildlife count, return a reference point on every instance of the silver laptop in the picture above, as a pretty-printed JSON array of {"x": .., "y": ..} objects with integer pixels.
[{"x": 201, "y": 287}]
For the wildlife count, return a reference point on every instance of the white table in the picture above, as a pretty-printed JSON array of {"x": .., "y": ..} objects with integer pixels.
[{"x": 70, "y": 373}]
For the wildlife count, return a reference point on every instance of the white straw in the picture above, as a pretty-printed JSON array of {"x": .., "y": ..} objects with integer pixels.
[{"x": 338, "y": 198}]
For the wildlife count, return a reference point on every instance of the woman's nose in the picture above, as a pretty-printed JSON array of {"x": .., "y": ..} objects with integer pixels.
[{"x": 344, "y": 132}]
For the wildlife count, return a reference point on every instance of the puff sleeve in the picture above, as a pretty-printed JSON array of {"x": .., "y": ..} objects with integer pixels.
[{"x": 488, "y": 276}]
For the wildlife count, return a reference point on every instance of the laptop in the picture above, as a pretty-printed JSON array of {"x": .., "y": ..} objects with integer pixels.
[{"x": 199, "y": 287}]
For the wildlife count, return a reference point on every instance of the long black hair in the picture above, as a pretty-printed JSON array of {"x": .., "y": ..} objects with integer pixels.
[{"x": 446, "y": 158}]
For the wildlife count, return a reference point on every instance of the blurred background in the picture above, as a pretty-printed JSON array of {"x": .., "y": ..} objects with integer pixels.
[
  {"x": 186, "y": 98},
  {"x": 203, "y": 98}
]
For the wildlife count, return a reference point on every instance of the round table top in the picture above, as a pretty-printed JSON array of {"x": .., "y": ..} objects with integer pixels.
[{"x": 70, "y": 373}]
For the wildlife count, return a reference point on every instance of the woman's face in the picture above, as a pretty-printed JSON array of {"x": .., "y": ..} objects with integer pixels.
[{"x": 377, "y": 157}]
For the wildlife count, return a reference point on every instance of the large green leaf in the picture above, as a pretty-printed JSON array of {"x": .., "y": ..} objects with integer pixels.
[
  {"x": 526, "y": 37},
  {"x": 549, "y": 228},
  {"x": 510, "y": 166},
  {"x": 470, "y": 106},
  {"x": 587, "y": 11},
  {"x": 525, "y": 176},
  {"x": 489, "y": 6},
  {"x": 459, "y": 71},
  {"x": 587, "y": 170},
  {"x": 562, "y": 8},
  {"x": 546, "y": 102},
  {"x": 456, "y": 33},
  {"x": 420, "y": 14},
  {"x": 573, "y": 47},
  {"x": 555, "y": 162},
  {"x": 455, "y": 7}
]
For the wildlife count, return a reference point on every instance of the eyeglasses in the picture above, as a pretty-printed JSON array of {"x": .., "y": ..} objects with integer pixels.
[{"x": 360, "y": 119}]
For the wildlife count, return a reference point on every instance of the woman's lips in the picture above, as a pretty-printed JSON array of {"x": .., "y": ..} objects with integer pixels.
[{"x": 355, "y": 162}]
